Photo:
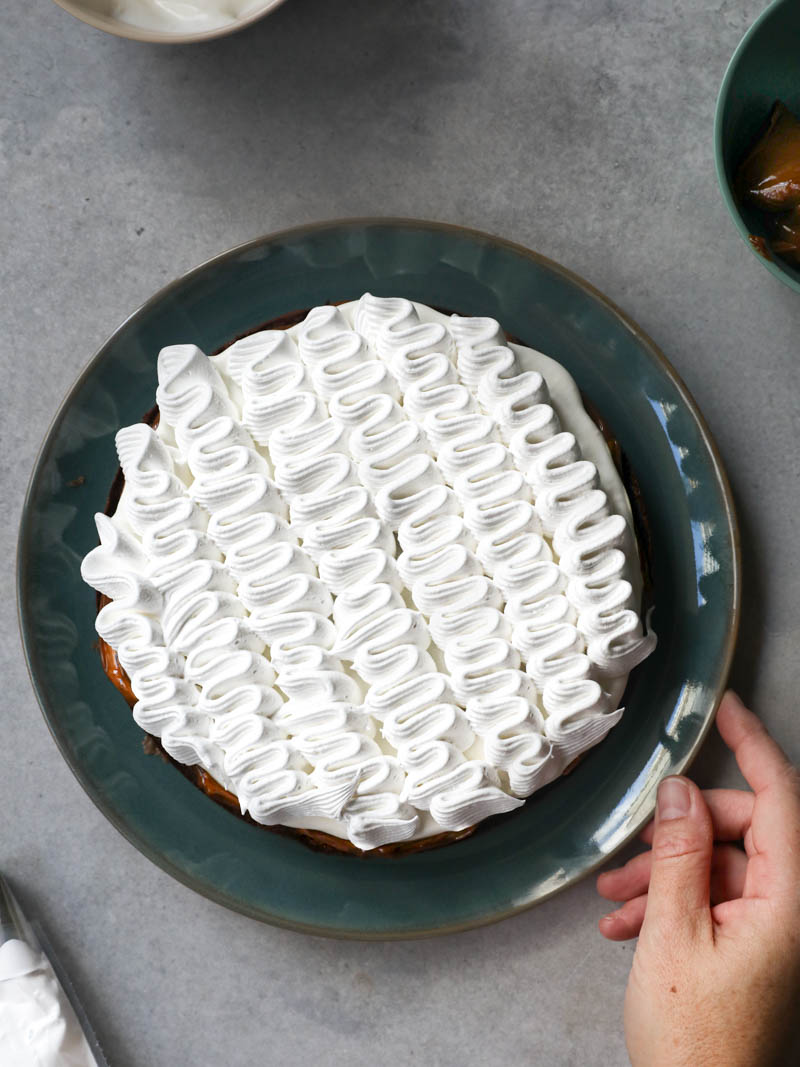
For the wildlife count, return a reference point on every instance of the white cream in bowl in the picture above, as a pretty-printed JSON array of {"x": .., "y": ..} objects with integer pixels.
[{"x": 176, "y": 16}]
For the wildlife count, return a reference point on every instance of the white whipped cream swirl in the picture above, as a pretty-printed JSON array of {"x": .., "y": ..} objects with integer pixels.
[{"x": 374, "y": 573}]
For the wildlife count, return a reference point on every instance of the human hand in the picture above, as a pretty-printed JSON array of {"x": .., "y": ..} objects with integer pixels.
[{"x": 715, "y": 979}]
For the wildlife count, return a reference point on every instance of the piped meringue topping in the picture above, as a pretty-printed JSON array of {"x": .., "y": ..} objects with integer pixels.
[{"x": 375, "y": 573}]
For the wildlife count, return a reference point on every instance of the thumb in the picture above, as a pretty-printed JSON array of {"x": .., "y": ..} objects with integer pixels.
[{"x": 678, "y": 900}]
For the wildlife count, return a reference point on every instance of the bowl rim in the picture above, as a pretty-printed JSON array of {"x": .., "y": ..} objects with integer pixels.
[
  {"x": 217, "y": 894},
  {"x": 129, "y": 32},
  {"x": 774, "y": 267}
]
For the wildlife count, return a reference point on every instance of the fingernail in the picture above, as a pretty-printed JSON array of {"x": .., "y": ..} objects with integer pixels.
[{"x": 674, "y": 800}]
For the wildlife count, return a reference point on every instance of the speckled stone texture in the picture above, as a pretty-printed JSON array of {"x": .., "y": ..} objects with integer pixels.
[{"x": 583, "y": 130}]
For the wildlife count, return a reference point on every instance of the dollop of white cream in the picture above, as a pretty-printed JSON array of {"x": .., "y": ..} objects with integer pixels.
[
  {"x": 38, "y": 1027},
  {"x": 376, "y": 573}
]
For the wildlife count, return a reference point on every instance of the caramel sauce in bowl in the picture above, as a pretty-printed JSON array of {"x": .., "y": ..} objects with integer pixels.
[
  {"x": 768, "y": 180},
  {"x": 757, "y": 179}
]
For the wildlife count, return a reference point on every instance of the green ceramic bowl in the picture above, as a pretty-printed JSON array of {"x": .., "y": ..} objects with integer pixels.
[
  {"x": 560, "y": 834},
  {"x": 764, "y": 68}
]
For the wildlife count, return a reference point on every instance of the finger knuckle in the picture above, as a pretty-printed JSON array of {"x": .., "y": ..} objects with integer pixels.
[{"x": 676, "y": 845}]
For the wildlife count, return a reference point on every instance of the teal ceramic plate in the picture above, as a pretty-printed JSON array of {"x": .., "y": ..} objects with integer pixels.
[
  {"x": 560, "y": 834},
  {"x": 764, "y": 68}
]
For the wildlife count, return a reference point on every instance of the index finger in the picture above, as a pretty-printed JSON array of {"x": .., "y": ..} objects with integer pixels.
[
  {"x": 761, "y": 759},
  {"x": 775, "y": 825}
]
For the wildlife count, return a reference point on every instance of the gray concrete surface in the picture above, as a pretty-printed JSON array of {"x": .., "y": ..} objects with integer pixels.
[{"x": 582, "y": 129}]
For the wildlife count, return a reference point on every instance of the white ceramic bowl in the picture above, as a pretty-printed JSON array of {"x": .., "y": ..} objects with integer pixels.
[{"x": 91, "y": 12}]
